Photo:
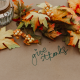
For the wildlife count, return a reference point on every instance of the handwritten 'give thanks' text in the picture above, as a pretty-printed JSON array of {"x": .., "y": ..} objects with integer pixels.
[{"x": 48, "y": 56}]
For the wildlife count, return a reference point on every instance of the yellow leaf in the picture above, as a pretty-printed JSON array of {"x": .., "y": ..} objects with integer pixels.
[
  {"x": 74, "y": 39},
  {"x": 4, "y": 39},
  {"x": 63, "y": 14},
  {"x": 43, "y": 5},
  {"x": 36, "y": 19},
  {"x": 52, "y": 34},
  {"x": 75, "y": 5}
]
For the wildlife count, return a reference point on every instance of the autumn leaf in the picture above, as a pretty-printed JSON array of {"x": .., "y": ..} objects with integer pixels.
[
  {"x": 16, "y": 19},
  {"x": 74, "y": 39},
  {"x": 52, "y": 35},
  {"x": 51, "y": 27},
  {"x": 20, "y": 25},
  {"x": 26, "y": 23},
  {"x": 20, "y": 9},
  {"x": 75, "y": 5},
  {"x": 58, "y": 13},
  {"x": 50, "y": 32},
  {"x": 15, "y": 2},
  {"x": 5, "y": 41},
  {"x": 37, "y": 19},
  {"x": 23, "y": 22},
  {"x": 37, "y": 38},
  {"x": 77, "y": 18},
  {"x": 43, "y": 5},
  {"x": 66, "y": 39}
]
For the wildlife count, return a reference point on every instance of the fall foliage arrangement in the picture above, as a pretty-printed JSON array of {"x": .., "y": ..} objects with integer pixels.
[{"x": 51, "y": 21}]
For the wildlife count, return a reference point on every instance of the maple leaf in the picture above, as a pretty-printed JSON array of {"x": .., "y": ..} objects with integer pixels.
[
  {"x": 20, "y": 9},
  {"x": 20, "y": 25},
  {"x": 50, "y": 32},
  {"x": 77, "y": 18},
  {"x": 43, "y": 5},
  {"x": 37, "y": 19},
  {"x": 51, "y": 27},
  {"x": 16, "y": 19},
  {"x": 66, "y": 39},
  {"x": 58, "y": 13},
  {"x": 74, "y": 39},
  {"x": 5, "y": 41},
  {"x": 24, "y": 22},
  {"x": 75, "y": 5},
  {"x": 15, "y": 2}
]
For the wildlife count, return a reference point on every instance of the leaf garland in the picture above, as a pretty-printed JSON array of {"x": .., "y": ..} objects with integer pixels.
[{"x": 51, "y": 21}]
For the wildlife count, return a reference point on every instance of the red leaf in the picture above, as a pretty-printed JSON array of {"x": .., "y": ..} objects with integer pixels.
[
  {"x": 59, "y": 33},
  {"x": 72, "y": 23},
  {"x": 77, "y": 18},
  {"x": 16, "y": 19},
  {"x": 77, "y": 6},
  {"x": 63, "y": 6},
  {"x": 36, "y": 41},
  {"x": 78, "y": 27},
  {"x": 41, "y": 28},
  {"x": 13, "y": 0},
  {"x": 53, "y": 25},
  {"x": 73, "y": 45},
  {"x": 46, "y": 18}
]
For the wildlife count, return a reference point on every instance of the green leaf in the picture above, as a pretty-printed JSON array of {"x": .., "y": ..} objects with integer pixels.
[
  {"x": 37, "y": 19},
  {"x": 16, "y": 17},
  {"x": 79, "y": 45},
  {"x": 33, "y": 25},
  {"x": 66, "y": 39},
  {"x": 26, "y": 23},
  {"x": 58, "y": 7},
  {"x": 27, "y": 9},
  {"x": 68, "y": 20},
  {"x": 42, "y": 19},
  {"x": 37, "y": 37},
  {"x": 45, "y": 23},
  {"x": 19, "y": 9},
  {"x": 12, "y": 45},
  {"x": 20, "y": 25}
]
